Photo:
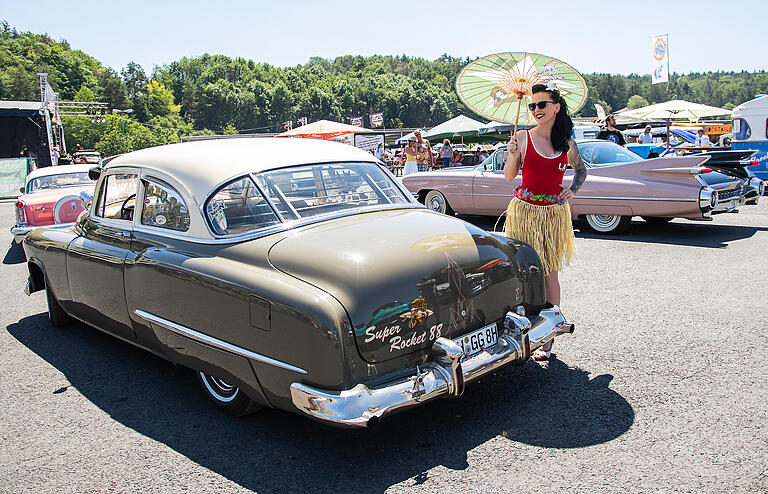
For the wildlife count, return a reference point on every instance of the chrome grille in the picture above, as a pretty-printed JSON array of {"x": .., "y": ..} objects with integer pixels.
[{"x": 727, "y": 194}]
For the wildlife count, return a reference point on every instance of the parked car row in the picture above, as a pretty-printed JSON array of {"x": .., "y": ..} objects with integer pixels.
[
  {"x": 305, "y": 277},
  {"x": 620, "y": 185}
]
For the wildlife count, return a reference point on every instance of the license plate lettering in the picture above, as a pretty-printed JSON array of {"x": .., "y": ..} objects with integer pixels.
[{"x": 478, "y": 340}]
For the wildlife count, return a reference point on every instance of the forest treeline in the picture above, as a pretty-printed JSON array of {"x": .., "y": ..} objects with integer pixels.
[{"x": 219, "y": 94}]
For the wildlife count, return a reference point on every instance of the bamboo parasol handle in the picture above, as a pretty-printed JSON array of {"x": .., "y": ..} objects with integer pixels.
[{"x": 517, "y": 115}]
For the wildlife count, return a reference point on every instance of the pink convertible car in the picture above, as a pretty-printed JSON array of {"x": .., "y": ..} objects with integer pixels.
[
  {"x": 51, "y": 197},
  {"x": 620, "y": 185}
]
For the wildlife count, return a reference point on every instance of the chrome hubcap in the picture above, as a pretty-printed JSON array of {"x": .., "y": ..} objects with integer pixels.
[
  {"x": 604, "y": 222},
  {"x": 219, "y": 389},
  {"x": 436, "y": 204}
]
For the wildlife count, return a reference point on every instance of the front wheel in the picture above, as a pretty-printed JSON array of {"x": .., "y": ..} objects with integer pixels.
[
  {"x": 607, "y": 224},
  {"x": 436, "y": 201},
  {"x": 227, "y": 397}
]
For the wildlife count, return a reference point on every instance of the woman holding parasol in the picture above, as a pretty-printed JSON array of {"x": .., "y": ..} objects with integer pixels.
[{"x": 539, "y": 213}]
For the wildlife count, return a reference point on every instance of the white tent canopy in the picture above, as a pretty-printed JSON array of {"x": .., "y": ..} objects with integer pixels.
[{"x": 676, "y": 108}]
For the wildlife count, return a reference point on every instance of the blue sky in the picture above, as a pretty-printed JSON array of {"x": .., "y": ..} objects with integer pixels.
[{"x": 592, "y": 36}]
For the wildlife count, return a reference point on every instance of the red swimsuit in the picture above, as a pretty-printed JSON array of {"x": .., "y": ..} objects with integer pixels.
[{"x": 542, "y": 176}]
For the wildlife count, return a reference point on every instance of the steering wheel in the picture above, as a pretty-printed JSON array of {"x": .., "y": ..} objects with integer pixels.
[{"x": 126, "y": 213}]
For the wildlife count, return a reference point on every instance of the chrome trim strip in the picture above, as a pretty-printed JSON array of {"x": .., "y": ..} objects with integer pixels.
[
  {"x": 19, "y": 232},
  {"x": 680, "y": 199},
  {"x": 214, "y": 342}
]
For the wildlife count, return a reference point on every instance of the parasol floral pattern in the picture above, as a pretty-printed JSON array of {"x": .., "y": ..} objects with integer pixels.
[{"x": 498, "y": 86}]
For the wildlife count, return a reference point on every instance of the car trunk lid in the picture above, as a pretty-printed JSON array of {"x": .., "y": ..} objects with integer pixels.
[{"x": 405, "y": 277}]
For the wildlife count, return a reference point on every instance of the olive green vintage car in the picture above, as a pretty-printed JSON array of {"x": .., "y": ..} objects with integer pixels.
[{"x": 292, "y": 273}]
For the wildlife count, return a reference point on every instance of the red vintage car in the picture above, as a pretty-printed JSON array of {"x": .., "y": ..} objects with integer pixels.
[{"x": 51, "y": 197}]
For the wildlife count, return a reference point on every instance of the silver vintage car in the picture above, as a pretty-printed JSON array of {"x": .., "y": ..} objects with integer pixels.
[{"x": 292, "y": 273}]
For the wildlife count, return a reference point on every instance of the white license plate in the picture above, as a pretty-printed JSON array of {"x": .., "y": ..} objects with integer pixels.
[{"x": 478, "y": 340}]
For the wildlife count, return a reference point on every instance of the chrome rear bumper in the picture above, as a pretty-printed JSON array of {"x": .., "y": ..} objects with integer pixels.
[
  {"x": 20, "y": 231},
  {"x": 446, "y": 375}
]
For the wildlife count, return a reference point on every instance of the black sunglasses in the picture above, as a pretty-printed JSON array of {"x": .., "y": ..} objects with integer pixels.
[{"x": 540, "y": 104}]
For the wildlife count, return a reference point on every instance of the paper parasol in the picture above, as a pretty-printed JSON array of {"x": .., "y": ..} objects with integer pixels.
[{"x": 496, "y": 86}]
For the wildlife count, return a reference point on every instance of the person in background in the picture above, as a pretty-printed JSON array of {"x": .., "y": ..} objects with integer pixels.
[
  {"x": 457, "y": 159},
  {"x": 446, "y": 152},
  {"x": 702, "y": 140},
  {"x": 539, "y": 214},
  {"x": 611, "y": 133},
  {"x": 424, "y": 157},
  {"x": 380, "y": 151},
  {"x": 645, "y": 137},
  {"x": 410, "y": 153}
]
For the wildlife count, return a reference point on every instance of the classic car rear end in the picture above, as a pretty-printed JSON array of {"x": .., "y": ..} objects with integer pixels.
[
  {"x": 51, "y": 196},
  {"x": 302, "y": 277}
]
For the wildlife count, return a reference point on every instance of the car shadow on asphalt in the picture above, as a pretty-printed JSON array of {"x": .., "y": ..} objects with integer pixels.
[
  {"x": 14, "y": 254},
  {"x": 678, "y": 232},
  {"x": 694, "y": 234},
  {"x": 549, "y": 406}
]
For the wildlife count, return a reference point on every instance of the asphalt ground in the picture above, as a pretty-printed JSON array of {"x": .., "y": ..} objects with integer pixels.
[{"x": 662, "y": 388}]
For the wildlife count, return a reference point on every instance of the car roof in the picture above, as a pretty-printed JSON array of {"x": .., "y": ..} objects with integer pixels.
[
  {"x": 57, "y": 170},
  {"x": 202, "y": 165}
]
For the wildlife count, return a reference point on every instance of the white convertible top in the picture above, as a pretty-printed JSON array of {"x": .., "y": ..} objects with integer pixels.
[{"x": 202, "y": 165}]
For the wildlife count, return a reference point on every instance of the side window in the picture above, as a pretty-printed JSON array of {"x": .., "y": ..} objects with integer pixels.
[
  {"x": 164, "y": 208},
  {"x": 585, "y": 150},
  {"x": 239, "y": 207},
  {"x": 741, "y": 130},
  {"x": 117, "y": 198}
]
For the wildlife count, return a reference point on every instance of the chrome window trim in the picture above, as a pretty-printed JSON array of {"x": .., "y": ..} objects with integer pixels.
[
  {"x": 215, "y": 342},
  {"x": 679, "y": 199},
  {"x": 266, "y": 197}
]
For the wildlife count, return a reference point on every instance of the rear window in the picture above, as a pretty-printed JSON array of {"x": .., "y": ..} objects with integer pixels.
[
  {"x": 741, "y": 130},
  {"x": 306, "y": 191},
  {"x": 299, "y": 192}
]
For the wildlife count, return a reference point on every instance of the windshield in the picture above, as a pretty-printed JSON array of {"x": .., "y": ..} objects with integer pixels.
[
  {"x": 299, "y": 192},
  {"x": 603, "y": 153},
  {"x": 58, "y": 181}
]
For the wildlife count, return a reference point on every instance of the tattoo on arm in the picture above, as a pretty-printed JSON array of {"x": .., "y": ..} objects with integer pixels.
[{"x": 579, "y": 173}]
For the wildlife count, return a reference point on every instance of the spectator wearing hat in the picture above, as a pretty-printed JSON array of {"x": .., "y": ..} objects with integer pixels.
[
  {"x": 645, "y": 137},
  {"x": 446, "y": 152},
  {"x": 411, "y": 152},
  {"x": 424, "y": 157}
]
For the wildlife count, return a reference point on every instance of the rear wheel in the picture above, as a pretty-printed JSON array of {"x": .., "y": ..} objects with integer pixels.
[
  {"x": 227, "y": 397},
  {"x": 436, "y": 201},
  {"x": 607, "y": 224},
  {"x": 56, "y": 314}
]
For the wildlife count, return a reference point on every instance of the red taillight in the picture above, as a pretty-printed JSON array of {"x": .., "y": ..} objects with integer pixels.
[
  {"x": 754, "y": 163},
  {"x": 705, "y": 170},
  {"x": 19, "y": 205}
]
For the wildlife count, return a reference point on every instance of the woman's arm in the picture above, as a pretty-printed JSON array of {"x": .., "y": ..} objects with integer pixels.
[
  {"x": 579, "y": 171},
  {"x": 514, "y": 157}
]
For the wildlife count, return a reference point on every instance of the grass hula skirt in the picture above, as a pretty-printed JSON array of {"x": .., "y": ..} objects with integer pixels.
[{"x": 548, "y": 229}]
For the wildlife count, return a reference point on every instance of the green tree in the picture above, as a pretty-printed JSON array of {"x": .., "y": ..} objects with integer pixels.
[
  {"x": 636, "y": 101},
  {"x": 160, "y": 100},
  {"x": 84, "y": 94}
]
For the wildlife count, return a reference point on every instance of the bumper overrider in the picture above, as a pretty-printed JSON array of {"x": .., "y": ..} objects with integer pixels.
[{"x": 446, "y": 375}]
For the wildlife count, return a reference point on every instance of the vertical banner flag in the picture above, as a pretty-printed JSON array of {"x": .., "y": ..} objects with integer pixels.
[
  {"x": 660, "y": 51},
  {"x": 377, "y": 119},
  {"x": 356, "y": 121}
]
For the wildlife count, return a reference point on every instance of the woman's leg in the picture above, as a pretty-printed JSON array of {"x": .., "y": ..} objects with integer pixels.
[{"x": 552, "y": 288}]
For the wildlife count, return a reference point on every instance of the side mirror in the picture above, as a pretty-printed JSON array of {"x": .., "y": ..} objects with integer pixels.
[
  {"x": 86, "y": 197},
  {"x": 94, "y": 173}
]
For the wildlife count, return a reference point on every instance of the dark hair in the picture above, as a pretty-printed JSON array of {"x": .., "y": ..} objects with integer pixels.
[{"x": 562, "y": 129}]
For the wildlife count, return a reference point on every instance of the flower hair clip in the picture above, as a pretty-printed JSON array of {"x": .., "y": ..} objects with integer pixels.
[{"x": 551, "y": 85}]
